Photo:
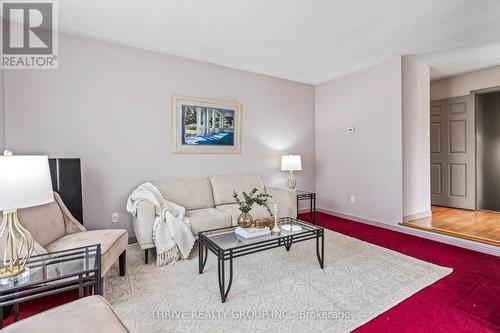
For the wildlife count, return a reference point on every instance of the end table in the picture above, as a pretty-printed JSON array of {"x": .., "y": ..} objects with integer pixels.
[
  {"x": 54, "y": 273},
  {"x": 311, "y": 196}
]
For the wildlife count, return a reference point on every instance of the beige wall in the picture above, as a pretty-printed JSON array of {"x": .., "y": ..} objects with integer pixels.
[
  {"x": 111, "y": 106},
  {"x": 385, "y": 163},
  {"x": 416, "y": 140},
  {"x": 368, "y": 163},
  {"x": 462, "y": 85}
]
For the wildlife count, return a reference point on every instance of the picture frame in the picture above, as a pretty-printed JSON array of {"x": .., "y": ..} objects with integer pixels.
[{"x": 206, "y": 126}]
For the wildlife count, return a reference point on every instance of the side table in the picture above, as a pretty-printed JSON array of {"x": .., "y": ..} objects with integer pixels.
[
  {"x": 311, "y": 196},
  {"x": 54, "y": 273}
]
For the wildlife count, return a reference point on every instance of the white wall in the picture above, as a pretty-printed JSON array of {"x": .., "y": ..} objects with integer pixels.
[
  {"x": 368, "y": 163},
  {"x": 111, "y": 106},
  {"x": 416, "y": 141},
  {"x": 461, "y": 85}
]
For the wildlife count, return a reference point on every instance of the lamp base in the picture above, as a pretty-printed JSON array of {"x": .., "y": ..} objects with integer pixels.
[
  {"x": 291, "y": 181},
  {"x": 4, "y": 274},
  {"x": 18, "y": 248},
  {"x": 9, "y": 281}
]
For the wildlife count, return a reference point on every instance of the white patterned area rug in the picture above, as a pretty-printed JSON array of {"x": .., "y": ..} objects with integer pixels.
[{"x": 272, "y": 291}]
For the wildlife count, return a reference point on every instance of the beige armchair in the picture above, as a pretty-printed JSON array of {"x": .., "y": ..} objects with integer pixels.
[{"x": 54, "y": 229}]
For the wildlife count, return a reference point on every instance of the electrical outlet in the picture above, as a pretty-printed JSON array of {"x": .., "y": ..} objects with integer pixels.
[
  {"x": 353, "y": 199},
  {"x": 115, "y": 218}
]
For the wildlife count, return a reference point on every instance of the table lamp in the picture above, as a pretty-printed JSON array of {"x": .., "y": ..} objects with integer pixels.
[
  {"x": 291, "y": 163},
  {"x": 24, "y": 182}
]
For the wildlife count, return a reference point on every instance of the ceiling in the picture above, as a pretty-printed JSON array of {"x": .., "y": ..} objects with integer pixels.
[{"x": 309, "y": 41}]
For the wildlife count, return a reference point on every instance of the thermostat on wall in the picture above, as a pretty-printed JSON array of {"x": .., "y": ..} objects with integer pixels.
[{"x": 351, "y": 130}]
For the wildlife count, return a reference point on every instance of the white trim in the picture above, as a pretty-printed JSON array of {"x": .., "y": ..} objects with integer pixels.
[
  {"x": 417, "y": 216},
  {"x": 460, "y": 242}
]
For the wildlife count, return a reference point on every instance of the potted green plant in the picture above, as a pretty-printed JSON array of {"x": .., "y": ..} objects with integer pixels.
[{"x": 245, "y": 220}]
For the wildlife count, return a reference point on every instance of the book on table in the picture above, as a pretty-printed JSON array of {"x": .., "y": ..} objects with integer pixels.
[{"x": 252, "y": 232}]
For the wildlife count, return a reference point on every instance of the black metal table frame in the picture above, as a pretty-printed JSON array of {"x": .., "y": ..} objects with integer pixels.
[
  {"x": 311, "y": 196},
  {"x": 87, "y": 281},
  {"x": 205, "y": 244}
]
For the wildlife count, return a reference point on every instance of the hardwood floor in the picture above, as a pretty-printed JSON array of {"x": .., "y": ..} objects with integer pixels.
[{"x": 481, "y": 226}]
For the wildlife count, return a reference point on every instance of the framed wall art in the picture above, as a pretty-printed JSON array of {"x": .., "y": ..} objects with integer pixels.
[{"x": 206, "y": 126}]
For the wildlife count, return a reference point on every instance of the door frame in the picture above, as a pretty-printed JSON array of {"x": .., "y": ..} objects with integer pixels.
[{"x": 476, "y": 93}]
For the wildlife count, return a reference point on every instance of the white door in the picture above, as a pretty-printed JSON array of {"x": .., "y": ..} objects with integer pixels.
[{"x": 453, "y": 153}]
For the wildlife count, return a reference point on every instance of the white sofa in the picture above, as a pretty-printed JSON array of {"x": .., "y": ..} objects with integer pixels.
[{"x": 210, "y": 204}]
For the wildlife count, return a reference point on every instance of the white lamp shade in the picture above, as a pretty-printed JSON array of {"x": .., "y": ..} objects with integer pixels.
[
  {"x": 24, "y": 182},
  {"x": 291, "y": 163}
]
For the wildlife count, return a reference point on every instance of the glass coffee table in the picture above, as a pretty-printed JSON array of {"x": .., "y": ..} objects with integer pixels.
[
  {"x": 226, "y": 246},
  {"x": 54, "y": 273}
]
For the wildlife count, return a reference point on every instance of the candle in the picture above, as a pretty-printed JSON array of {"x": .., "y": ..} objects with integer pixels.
[{"x": 276, "y": 229}]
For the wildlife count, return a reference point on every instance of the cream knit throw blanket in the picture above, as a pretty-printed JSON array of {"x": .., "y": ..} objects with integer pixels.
[{"x": 171, "y": 230}]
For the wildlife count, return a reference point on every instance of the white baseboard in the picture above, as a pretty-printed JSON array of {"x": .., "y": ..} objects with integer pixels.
[
  {"x": 460, "y": 242},
  {"x": 417, "y": 216}
]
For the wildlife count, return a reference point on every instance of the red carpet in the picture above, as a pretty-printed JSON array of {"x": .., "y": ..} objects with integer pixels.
[
  {"x": 468, "y": 300},
  {"x": 33, "y": 307}
]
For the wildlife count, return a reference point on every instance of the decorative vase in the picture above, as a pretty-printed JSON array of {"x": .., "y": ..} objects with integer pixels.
[{"x": 245, "y": 220}]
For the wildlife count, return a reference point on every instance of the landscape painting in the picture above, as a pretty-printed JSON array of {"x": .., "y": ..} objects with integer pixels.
[{"x": 206, "y": 126}]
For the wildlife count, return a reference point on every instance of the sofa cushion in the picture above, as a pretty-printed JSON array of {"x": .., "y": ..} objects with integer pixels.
[
  {"x": 88, "y": 314},
  {"x": 207, "y": 219},
  {"x": 113, "y": 243},
  {"x": 45, "y": 222},
  {"x": 188, "y": 193},
  {"x": 223, "y": 186},
  {"x": 233, "y": 210}
]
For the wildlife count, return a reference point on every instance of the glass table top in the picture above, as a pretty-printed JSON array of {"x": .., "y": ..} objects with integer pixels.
[
  {"x": 55, "y": 266},
  {"x": 227, "y": 239},
  {"x": 302, "y": 192}
]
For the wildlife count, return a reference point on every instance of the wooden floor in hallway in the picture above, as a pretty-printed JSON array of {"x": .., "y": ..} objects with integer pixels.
[{"x": 481, "y": 226}]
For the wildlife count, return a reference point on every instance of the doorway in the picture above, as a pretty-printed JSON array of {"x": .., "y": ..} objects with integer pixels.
[
  {"x": 465, "y": 167},
  {"x": 488, "y": 151}
]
